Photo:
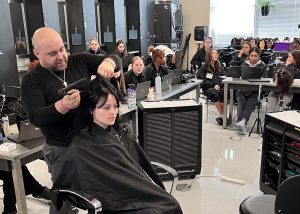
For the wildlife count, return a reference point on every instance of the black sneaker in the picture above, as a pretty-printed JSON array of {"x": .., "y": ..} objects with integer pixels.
[
  {"x": 45, "y": 194},
  {"x": 219, "y": 120}
]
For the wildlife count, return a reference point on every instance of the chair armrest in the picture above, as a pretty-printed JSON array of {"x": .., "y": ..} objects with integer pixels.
[
  {"x": 169, "y": 170},
  {"x": 79, "y": 199}
]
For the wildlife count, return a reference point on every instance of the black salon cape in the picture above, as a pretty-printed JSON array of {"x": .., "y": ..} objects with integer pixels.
[{"x": 112, "y": 169}]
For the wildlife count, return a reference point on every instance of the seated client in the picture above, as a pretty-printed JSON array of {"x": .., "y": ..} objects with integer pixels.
[{"x": 110, "y": 165}]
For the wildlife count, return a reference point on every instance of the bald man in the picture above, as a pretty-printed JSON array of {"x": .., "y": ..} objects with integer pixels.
[{"x": 59, "y": 116}]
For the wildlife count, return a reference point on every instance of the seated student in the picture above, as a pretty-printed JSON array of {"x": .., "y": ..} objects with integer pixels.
[
  {"x": 94, "y": 47},
  {"x": 199, "y": 56},
  {"x": 286, "y": 40},
  {"x": 262, "y": 44},
  {"x": 246, "y": 99},
  {"x": 295, "y": 104},
  {"x": 157, "y": 67},
  {"x": 244, "y": 52},
  {"x": 107, "y": 163},
  {"x": 279, "y": 99},
  {"x": 270, "y": 44},
  {"x": 135, "y": 75},
  {"x": 295, "y": 45},
  {"x": 169, "y": 53},
  {"x": 253, "y": 42},
  {"x": 236, "y": 43},
  {"x": 31, "y": 186},
  {"x": 212, "y": 86},
  {"x": 296, "y": 56},
  {"x": 121, "y": 51}
]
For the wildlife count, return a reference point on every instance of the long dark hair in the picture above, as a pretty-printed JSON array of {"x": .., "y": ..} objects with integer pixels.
[
  {"x": 284, "y": 81},
  {"x": 212, "y": 66},
  {"x": 99, "y": 89},
  {"x": 296, "y": 56},
  {"x": 124, "y": 53},
  {"x": 254, "y": 49}
]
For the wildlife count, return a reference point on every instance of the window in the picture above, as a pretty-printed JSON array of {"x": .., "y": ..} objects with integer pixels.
[
  {"x": 240, "y": 18},
  {"x": 231, "y": 18}
]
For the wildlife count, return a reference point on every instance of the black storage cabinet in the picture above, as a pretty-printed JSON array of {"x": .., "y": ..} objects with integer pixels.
[
  {"x": 173, "y": 136},
  {"x": 280, "y": 151}
]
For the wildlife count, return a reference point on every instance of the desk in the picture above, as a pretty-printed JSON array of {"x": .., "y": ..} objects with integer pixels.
[
  {"x": 12, "y": 161},
  {"x": 230, "y": 84},
  {"x": 178, "y": 90},
  {"x": 174, "y": 92}
]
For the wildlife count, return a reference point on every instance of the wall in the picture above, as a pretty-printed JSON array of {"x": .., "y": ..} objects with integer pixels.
[{"x": 195, "y": 13}]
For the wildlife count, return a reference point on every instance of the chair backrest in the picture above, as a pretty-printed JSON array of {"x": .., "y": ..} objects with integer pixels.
[{"x": 288, "y": 196}]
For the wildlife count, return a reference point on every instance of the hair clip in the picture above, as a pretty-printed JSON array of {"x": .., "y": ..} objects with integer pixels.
[{"x": 280, "y": 73}]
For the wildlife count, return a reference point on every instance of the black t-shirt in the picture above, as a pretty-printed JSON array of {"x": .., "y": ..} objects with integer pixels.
[
  {"x": 132, "y": 78},
  {"x": 151, "y": 72},
  {"x": 39, "y": 92}
]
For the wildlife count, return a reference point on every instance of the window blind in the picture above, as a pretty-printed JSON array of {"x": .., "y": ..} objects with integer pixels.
[{"x": 281, "y": 23}]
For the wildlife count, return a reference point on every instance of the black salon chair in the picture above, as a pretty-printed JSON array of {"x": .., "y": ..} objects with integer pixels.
[
  {"x": 82, "y": 200},
  {"x": 285, "y": 202}
]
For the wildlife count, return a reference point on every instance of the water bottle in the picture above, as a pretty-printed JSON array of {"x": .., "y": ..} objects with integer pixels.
[
  {"x": 5, "y": 126},
  {"x": 131, "y": 97},
  {"x": 158, "y": 83}
]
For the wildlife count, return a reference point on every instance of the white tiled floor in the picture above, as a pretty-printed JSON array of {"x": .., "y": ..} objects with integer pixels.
[{"x": 224, "y": 153}]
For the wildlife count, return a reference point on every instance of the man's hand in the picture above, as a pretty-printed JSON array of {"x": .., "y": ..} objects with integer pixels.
[
  {"x": 68, "y": 102},
  {"x": 106, "y": 68}
]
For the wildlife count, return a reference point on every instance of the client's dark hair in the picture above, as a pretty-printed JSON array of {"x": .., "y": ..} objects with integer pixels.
[
  {"x": 99, "y": 89},
  {"x": 284, "y": 81}
]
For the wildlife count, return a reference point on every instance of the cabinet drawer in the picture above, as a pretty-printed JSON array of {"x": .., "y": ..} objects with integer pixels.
[
  {"x": 292, "y": 157},
  {"x": 291, "y": 148},
  {"x": 293, "y": 135},
  {"x": 274, "y": 128}
]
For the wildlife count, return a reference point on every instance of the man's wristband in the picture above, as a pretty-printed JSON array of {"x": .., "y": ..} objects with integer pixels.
[{"x": 64, "y": 108}]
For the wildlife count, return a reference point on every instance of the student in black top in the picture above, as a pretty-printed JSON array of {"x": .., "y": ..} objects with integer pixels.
[
  {"x": 157, "y": 67},
  {"x": 106, "y": 162},
  {"x": 94, "y": 47},
  {"x": 31, "y": 186},
  {"x": 295, "y": 104},
  {"x": 246, "y": 99},
  {"x": 244, "y": 52},
  {"x": 121, "y": 51},
  {"x": 135, "y": 75},
  {"x": 199, "y": 56},
  {"x": 59, "y": 116},
  {"x": 270, "y": 44},
  {"x": 169, "y": 53},
  {"x": 295, "y": 45},
  {"x": 212, "y": 86}
]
